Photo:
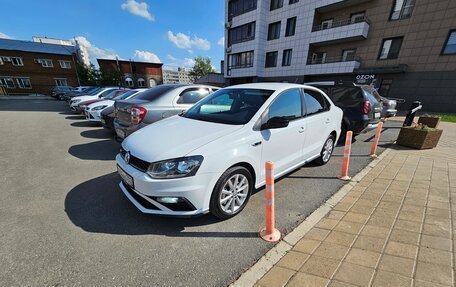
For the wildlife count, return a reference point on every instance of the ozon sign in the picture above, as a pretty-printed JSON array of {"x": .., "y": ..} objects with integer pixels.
[{"x": 363, "y": 79}]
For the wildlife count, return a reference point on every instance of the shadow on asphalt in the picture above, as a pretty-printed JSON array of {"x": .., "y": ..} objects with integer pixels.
[
  {"x": 85, "y": 124},
  {"x": 99, "y": 206},
  {"x": 98, "y": 134},
  {"x": 73, "y": 117},
  {"x": 99, "y": 150}
]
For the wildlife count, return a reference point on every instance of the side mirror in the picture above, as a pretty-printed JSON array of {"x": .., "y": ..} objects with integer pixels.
[
  {"x": 275, "y": 123},
  {"x": 100, "y": 96}
]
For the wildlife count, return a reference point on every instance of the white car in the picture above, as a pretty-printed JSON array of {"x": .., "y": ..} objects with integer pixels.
[
  {"x": 210, "y": 158},
  {"x": 76, "y": 100},
  {"x": 93, "y": 111}
]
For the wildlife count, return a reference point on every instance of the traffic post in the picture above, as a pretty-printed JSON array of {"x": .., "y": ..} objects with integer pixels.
[
  {"x": 270, "y": 233},
  {"x": 373, "y": 152},
  {"x": 346, "y": 161}
]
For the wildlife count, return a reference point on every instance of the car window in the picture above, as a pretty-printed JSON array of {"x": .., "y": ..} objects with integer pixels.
[
  {"x": 315, "y": 102},
  {"x": 154, "y": 93},
  {"x": 193, "y": 95},
  {"x": 287, "y": 105},
  {"x": 126, "y": 95},
  {"x": 107, "y": 92},
  {"x": 234, "y": 106},
  {"x": 346, "y": 97}
]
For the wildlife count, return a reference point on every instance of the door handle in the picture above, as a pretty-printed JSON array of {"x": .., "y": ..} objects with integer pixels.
[{"x": 301, "y": 130}]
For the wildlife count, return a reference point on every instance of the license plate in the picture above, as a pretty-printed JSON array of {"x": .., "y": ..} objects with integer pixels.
[
  {"x": 126, "y": 178},
  {"x": 377, "y": 115}
]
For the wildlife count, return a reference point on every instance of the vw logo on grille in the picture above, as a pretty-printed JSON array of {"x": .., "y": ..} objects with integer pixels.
[{"x": 127, "y": 157}]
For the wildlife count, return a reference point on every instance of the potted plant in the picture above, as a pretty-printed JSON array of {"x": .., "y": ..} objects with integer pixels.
[
  {"x": 419, "y": 136},
  {"x": 430, "y": 121}
]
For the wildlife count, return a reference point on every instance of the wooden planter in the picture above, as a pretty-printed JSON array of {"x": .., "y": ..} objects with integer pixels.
[
  {"x": 431, "y": 122},
  {"x": 418, "y": 138}
]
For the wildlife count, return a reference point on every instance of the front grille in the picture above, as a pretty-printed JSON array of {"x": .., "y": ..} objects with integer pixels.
[
  {"x": 135, "y": 162},
  {"x": 139, "y": 199}
]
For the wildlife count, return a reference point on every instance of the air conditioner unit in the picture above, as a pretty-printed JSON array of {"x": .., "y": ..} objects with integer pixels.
[
  {"x": 228, "y": 49},
  {"x": 228, "y": 24}
]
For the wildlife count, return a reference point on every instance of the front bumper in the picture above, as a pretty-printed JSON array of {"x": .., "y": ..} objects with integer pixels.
[
  {"x": 196, "y": 190},
  {"x": 93, "y": 116}
]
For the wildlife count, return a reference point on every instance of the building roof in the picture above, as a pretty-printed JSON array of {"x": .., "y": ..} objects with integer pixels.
[
  {"x": 36, "y": 47},
  {"x": 128, "y": 61}
]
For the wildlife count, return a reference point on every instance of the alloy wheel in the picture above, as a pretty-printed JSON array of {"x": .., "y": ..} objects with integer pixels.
[
  {"x": 328, "y": 149},
  {"x": 234, "y": 193}
]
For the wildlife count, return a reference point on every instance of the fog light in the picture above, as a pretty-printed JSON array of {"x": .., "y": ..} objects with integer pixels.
[{"x": 172, "y": 200}]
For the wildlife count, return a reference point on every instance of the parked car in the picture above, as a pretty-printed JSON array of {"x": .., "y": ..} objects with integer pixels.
[
  {"x": 362, "y": 111},
  {"x": 93, "y": 111},
  {"x": 81, "y": 106},
  {"x": 89, "y": 91},
  {"x": 92, "y": 96},
  {"x": 156, "y": 104},
  {"x": 59, "y": 92},
  {"x": 210, "y": 158},
  {"x": 389, "y": 106},
  {"x": 81, "y": 89}
]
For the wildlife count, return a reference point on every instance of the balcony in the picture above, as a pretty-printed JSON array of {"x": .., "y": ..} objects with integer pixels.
[
  {"x": 340, "y": 31},
  {"x": 332, "y": 65}
]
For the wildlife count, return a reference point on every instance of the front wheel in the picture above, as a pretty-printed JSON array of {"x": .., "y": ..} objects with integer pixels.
[
  {"x": 326, "y": 151},
  {"x": 231, "y": 193}
]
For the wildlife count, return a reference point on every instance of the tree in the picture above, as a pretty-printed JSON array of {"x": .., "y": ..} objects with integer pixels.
[
  {"x": 88, "y": 76},
  {"x": 201, "y": 68}
]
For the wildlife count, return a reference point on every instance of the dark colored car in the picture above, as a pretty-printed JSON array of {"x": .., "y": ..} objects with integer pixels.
[
  {"x": 362, "y": 110},
  {"x": 59, "y": 92},
  {"x": 89, "y": 91}
]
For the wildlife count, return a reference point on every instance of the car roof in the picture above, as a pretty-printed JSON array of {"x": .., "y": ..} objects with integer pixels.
[{"x": 269, "y": 86}]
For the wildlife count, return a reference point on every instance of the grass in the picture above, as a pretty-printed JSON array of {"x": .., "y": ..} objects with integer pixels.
[{"x": 448, "y": 118}]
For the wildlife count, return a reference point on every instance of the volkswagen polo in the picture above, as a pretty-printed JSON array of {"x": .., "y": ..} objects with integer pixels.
[{"x": 211, "y": 158}]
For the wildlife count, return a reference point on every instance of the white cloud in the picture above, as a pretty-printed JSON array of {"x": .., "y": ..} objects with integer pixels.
[
  {"x": 140, "y": 9},
  {"x": 95, "y": 52},
  {"x": 184, "y": 63},
  {"x": 221, "y": 42},
  {"x": 183, "y": 41},
  {"x": 146, "y": 56},
  {"x": 4, "y": 36}
]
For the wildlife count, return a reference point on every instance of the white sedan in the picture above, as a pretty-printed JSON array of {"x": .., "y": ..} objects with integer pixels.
[
  {"x": 93, "y": 111},
  {"x": 210, "y": 158},
  {"x": 74, "y": 102}
]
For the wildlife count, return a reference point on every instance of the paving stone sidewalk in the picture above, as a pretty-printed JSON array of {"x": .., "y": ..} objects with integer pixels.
[{"x": 396, "y": 227}]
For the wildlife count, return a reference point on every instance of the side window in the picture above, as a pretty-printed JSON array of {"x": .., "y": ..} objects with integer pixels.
[
  {"x": 346, "y": 97},
  {"x": 287, "y": 105},
  {"x": 191, "y": 96},
  {"x": 315, "y": 102}
]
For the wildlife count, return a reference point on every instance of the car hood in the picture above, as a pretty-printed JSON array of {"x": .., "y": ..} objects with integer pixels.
[
  {"x": 84, "y": 98},
  {"x": 174, "y": 137},
  {"x": 101, "y": 103}
]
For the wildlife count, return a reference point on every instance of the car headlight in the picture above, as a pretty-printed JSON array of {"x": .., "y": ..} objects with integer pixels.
[
  {"x": 175, "y": 168},
  {"x": 98, "y": 108}
]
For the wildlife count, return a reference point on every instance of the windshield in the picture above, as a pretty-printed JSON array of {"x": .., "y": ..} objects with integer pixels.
[
  {"x": 371, "y": 90},
  {"x": 114, "y": 94},
  {"x": 127, "y": 94},
  {"x": 229, "y": 106},
  {"x": 94, "y": 91}
]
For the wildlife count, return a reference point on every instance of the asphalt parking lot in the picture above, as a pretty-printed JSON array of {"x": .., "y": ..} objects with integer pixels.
[{"x": 64, "y": 220}]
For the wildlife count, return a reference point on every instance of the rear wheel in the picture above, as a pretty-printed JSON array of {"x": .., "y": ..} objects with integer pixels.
[
  {"x": 326, "y": 151},
  {"x": 231, "y": 193}
]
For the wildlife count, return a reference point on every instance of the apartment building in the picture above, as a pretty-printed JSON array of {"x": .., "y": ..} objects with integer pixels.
[
  {"x": 133, "y": 74},
  {"x": 176, "y": 76},
  {"x": 31, "y": 67},
  {"x": 405, "y": 48}
]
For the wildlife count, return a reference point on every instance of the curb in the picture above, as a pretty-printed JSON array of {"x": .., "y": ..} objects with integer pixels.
[{"x": 265, "y": 263}]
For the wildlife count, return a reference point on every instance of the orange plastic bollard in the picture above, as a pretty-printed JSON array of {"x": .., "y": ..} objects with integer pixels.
[
  {"x": 270, "y": 233},
  {"x": 347, "y": 150},
  {"x": 376, "y": 139}
]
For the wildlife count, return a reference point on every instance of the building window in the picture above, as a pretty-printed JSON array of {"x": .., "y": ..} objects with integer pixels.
[
  {"x": 7, "y": 82},
  {"x": 276, "y": 4},
  {"x": 240, "y": 60},
  {"x": 318, "y": 58},
  {"x": 241, "y": 34},
  {"x": 402, "y": 9},
  {"x": 24, "y": 83},
  {"x": 65, "y": 64},
  {"x": 292, "y": 2},
  {"x": 390, "y": 48},
  {"x": 286, "y": 59},
  {"x": 326, "y": 24},
  {"x": 274, "y": 31},
  {"x": 238, "y": 7},
  {"x": 1, "y": 61},
  {"x": 141, "y": 82},
  {"x": 17, "y": 61},
  {"x": 348, "y": 55},
  {"x": 271, "y": 59},
  {"x": 291, "y": 27},
  {"x": 61, "y": 82},
  {"x": 46, "y": 63},
  {"x": 129, "y": 82},
  {"x": 450, "y": 45},
  {"x": 357, "y": 17}
]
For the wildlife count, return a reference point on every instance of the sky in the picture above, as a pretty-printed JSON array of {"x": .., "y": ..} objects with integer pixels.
[{"x": 170, "y": 32}]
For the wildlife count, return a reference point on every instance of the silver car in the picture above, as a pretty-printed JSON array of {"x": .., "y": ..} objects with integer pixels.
[{"x": 155, "y": 104}]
